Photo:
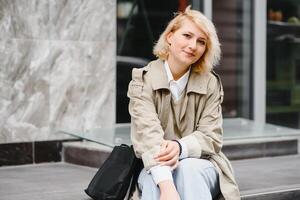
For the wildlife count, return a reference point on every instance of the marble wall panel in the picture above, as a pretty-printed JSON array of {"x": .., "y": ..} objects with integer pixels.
[
  {"x": 82, "y": 89},
  {"x": 88, "y": 20},
  {"x": 24, "y": 19},
  {"x": 53, "y": 86},
  {"x": 57, "y": 67},
  {"x": 24, "y": 89}
]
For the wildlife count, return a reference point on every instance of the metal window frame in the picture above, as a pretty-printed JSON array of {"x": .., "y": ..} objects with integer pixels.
[
  {"x": 207, "y": 8},
  {"x": 260, "y": 66}
]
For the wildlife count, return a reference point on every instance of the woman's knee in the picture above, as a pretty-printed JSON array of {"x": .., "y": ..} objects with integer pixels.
[
  {"x": 193, "y": 164},
  {"x": 194, "y": 174},
  {"x": 145, "y": 179},
  {"x": 147, "y": 188}
]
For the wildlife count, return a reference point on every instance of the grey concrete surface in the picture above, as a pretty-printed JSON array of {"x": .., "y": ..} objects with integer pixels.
[
  {"x": 92, "y": 154},
  {"x": 262, "y": 178},
  {"x": 269, "y": 178},
  {"x": 53, "y": 181}
]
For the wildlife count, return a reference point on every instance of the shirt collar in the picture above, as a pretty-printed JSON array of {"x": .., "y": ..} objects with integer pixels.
[
  {"x": 183, "y": 79},
  {"x": 197, "y": 82}
]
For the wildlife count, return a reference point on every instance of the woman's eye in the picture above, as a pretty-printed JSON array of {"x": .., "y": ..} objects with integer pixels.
[
  {"x": 201, "y": 42},
  {"x": 186, "y": 35}
]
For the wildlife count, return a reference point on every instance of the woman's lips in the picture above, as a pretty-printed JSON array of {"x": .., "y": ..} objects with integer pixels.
[{"x": 189, "y": 54}]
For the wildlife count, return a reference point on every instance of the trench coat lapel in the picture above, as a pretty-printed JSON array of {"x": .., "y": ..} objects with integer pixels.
[
  {"x": 160, "y": 79},
  {"x": 160, "y": 82},
  {"x": 197, "y": 84}
]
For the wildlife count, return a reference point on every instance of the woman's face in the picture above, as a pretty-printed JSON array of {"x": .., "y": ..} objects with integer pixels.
[{"x": 187, "y": 44}]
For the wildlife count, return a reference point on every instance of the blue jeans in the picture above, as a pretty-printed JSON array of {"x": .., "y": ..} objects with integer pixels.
[{"x": 194, "y": 179}]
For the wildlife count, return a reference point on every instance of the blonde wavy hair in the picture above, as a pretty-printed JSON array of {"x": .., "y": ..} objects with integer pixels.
[{"x": 212, "y": 54}]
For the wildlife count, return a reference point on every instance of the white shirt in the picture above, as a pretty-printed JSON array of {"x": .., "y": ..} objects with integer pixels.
[
  {"x": 178, "y": 86},
  {"x": 161, "y": 173}
]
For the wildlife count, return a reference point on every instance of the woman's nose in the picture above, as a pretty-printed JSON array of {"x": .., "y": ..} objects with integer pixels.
[{"x": 193, "y": 44}]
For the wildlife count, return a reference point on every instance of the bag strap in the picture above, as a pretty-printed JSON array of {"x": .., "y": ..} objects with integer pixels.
[{"x": 138, "y": 166}]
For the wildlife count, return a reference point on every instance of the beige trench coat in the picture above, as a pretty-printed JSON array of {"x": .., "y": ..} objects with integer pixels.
[{"x": 200, "y": 119}]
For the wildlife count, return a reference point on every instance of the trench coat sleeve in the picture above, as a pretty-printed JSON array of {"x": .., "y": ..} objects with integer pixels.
[
  {"x": 146, "y": 131},
  {"x": 207, "y": 139}
]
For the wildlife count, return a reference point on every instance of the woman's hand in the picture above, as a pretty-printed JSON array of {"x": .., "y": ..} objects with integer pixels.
[
  {"x": 169, "y": 154},
  {"x": 168, "y": 191}
]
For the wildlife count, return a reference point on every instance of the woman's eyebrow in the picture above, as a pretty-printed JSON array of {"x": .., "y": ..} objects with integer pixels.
[{"x": 201, "y": 38}]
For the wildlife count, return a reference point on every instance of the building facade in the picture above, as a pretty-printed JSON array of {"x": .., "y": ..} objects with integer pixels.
[
  {"x": 65, "y": 65},
  {"x": 260, "y": 51}
]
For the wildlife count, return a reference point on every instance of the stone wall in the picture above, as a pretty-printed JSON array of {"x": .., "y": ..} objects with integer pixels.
[{"x": 57, "y": 68}]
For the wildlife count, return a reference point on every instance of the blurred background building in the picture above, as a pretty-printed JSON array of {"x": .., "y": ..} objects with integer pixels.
[
  {"x": 260, "y": 46},
  {"x": 65, "y": 65},
  {"x": 64, "y": 72}
]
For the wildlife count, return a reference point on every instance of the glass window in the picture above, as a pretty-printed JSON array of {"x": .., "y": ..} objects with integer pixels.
[
  {"x": 283, "y": 62},
  {"x": 140, "y": 22},
  {"x": 233, "y": 21},
  {"x": 139, "y": 25}
]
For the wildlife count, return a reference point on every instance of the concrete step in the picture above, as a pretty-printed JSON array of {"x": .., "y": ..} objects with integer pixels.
[
  {"x": 93, "y": 154},
  {"x": 47, "y": 181},
  {"x": 259, "y": 178},
  {"x": 85, "y": 153},
  {"x": 260, "y": 147},
  {"x": 276, "y": 178}
]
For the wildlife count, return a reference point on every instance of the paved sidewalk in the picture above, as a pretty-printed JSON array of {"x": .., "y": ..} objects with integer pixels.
[
  {"x": 51, "y": 181},
  {"x": 63, "y": 181},
  {"x": 262, "y": 176}
]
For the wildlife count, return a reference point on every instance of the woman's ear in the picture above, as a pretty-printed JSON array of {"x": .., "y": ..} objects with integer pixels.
[{"x": 169, "y": 37}]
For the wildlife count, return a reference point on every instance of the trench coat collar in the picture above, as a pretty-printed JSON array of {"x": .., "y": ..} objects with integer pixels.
[
  {"x": 197, "y": 83},
  {"x": 160, "y": 78}
]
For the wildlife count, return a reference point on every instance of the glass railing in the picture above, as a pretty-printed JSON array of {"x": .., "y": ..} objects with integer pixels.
[
  {"x": 234, "y": 129},
  {"x": 239, "y": 128}
]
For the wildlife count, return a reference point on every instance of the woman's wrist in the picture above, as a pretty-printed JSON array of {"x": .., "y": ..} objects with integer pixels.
[
  {"x": 167, "y": 184},
  {"x": 180, "y": 147}
]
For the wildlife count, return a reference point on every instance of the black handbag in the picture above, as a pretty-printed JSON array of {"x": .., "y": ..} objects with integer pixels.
[{"x": 117, "y": 176}]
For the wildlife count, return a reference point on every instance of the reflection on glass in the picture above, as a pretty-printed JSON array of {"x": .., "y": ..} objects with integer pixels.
[
  {"x": 233, "y": 21},
  {"x": 139, "y": 24},
  {"x": 283, "y": 62}
]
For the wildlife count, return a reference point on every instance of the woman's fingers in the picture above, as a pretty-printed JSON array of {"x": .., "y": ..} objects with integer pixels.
[
  {"x": 175, "y": 165},
  {"x": 164, "y": 145},
  {"x": 172, "y": 162},
  {"x": 167, "y": 156},
  {"x": 164, "y": 150},
  {"x": 169, "y": 150}
]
